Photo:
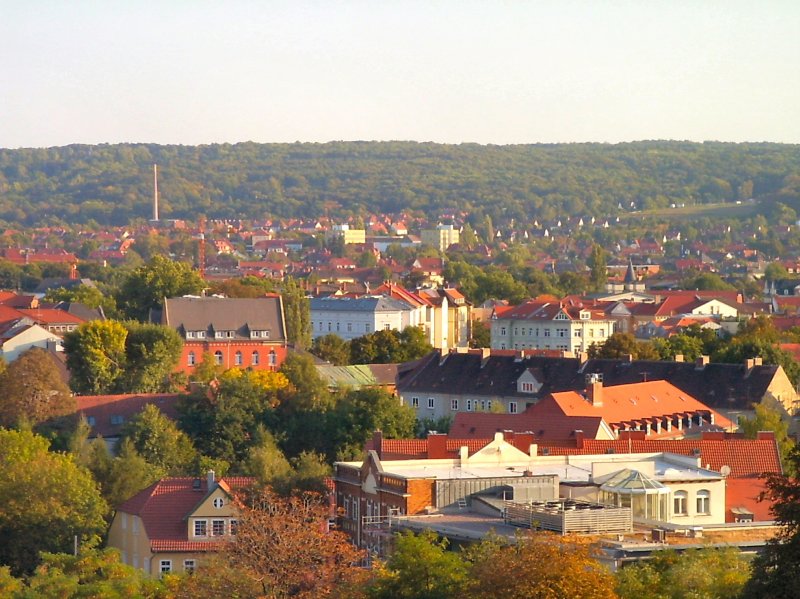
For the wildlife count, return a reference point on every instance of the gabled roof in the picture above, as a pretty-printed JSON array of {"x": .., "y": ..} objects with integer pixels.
[
  {"x": 483, "y": 425},
  {"x": 361, "y": 304},
  {"x": 225, "y": 314},
  {"x": 164, "y": 505}
]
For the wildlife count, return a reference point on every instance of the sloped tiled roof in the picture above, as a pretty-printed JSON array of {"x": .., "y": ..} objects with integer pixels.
[
  {"x": 483, "y": 425},
  {"x": 164, "y": 505},
  {"x": 632, "y": 402},
  {"x": 719, "y": 386}
]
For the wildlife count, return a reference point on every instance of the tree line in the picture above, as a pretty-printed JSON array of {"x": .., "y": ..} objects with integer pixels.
[{"x": 111, "y": 184}]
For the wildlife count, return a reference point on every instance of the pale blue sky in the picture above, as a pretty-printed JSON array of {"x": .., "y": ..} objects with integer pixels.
[{"x": 197, "y": 71}]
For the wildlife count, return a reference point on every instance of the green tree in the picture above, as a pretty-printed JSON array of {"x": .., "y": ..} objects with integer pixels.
[
  {"x": 92, "y": 573},
  {"x": 96, "y": 355},
  {"x": 770, "y": 419},
  {"x": 32, "y": 390},
  {"x": 146, "y": 287},
  {"x": 414, "y": 344},
  {"x": 775, "y": 271},
  {"x": 47, "y": 499},
  {"x": 332, "y": 348},
  {"x": 598, "y": 274},
  {"x": 421, "y": 567},
  {"x": 776, "y": 571},
  {"x": 297, "y": 313},
  {"x": 713, "y": 573},
  {"x": 159, "y": 441},
  {"x": 152, "y": 352},
  {"x": 362, "y": 411},
  {"x": 88, "y": 295},
  {"x": 128, "y": 474},
  {"x": 481, "y": 334},
  {"x": 707, "y": 281}
]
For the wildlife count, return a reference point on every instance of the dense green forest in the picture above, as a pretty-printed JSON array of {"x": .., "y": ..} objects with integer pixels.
[{"x": 112, "y": 184}]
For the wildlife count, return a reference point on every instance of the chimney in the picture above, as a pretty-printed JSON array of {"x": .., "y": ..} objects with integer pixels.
[
  {"x": 463, "y": 455},
  {"x": 377, "y": 442},
  {"x": 758, "y": 361},
  {"x": 437, "y": 446},
  {"x": 485, "y": 352},
  {"x": 628, "y": 358},
  {"x": 679, "y": 357},
  {"x": 702, "y": 361},
  {"x": 749, "y": 363},
  {"x": 594, "y": 391},
  {"x": 765, "y": 435},
  {"x": 579, "y": 437},
  {"x": 210, "y": 478},
  {"x": 523, "y": 441}
]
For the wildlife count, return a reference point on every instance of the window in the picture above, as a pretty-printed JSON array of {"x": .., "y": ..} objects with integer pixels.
[
  {"x": 230, "y": 334},
  {"x": 117, "y": 419},
  {"x": 189, "y": 565},
  {"x": 469, "y": 405},
  {"x": 602, "y": 332},
  {"x": 415, "y": 402},
  {"x": 237, "y": 357},
  {"x": 367, "y": 327},
  {"x": 234, "y": 526},
  {"x": 488, "y": 405},
  {"x": 679, "y": 503},
  {"x": 349, "y": 327},
  {"x": 329, "y": 327},
  {"x": 90, "y": 420},
  {"x": 703, "y": 502},
  {"x": 219, "y": 334},
  {"x": 166, "y": 566},
  {"x": 190, "y": 334},
  {"x": 254, "y": 359},
  {"x": 577, "y": 332},
  {"x": 265, "y": 334},
  {"x": 502, "y": 330},
  {"x": 135, "y": 525},
  {"x": 218, "y": 357},
  {"x": 191, "y": 358},
  {"x": 200, "y": 528},
  {"x": 431, "y": 403},
  {"x": 547, "y": 332},
  {"x": 217, "y": 528},
  {"x": 201, "y": 334},
  {"x": 273, "y": 357},
  {"x": 387, "y": 327},
  {"x": 218, "y": 502},
  {"x": 454, "y": 405},
  {"x": 527, "y": 388},
  {"x": 512, "y": 407}
]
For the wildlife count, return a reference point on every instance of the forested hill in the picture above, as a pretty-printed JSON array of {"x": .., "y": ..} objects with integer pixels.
[{"x": 112, "y": 184}]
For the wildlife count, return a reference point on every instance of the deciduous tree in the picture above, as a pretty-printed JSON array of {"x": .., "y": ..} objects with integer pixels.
[
  {"x": 46, "y": 500},
  {"x": 32, "y": 390},
  {"x": 96, "y": 355},
  {"x": 147, "y": 286}
]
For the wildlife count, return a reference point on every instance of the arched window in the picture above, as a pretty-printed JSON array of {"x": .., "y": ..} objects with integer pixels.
[
  {"x": 679, "y": 506},
  {"x": 255, "y": 359},
  {"x": 273, "y": 357},
  {"x": 703, "y": 502},
  {"x": 191, "y": 359},
  {"x": 238, "y": 358},
  {"x": 218, "y": 357}
]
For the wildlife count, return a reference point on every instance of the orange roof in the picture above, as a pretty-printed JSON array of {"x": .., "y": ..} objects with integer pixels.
[
  {"x": 636, "y": 402},
  {"x": 110, "y": 413},
  {"x": 51, "y": 315},
  {"x": 164, "y": 505}
]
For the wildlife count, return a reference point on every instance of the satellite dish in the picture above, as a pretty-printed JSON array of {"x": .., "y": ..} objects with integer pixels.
[{"x": 725, "y": 471}]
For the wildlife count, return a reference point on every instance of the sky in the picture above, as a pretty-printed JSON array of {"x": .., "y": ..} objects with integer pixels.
[{"x": 450, "y": 71}]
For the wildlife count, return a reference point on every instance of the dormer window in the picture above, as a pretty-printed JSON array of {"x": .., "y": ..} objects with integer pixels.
[
  {"x": 117, "y": 419},
  {"x": 585, "y": 315},
  {"x": 201, "y": 334},
  {"x": 190, "y": 334},
  {"x": 219, "y": 334}
]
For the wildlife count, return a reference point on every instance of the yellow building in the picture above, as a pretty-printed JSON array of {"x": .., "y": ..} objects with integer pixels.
[
  {"x": 442, "y": 237},
  {"x": 347, "y": 234},
  {"x": 172, "y": 524}
]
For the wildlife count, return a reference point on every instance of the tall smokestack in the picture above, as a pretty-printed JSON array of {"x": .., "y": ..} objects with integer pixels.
[{"x": 155, "y": 192}]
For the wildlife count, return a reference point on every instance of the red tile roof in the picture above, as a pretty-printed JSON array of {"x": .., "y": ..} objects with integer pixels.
[
  {"x": 164, "y": 505},
  {"x": 627, "y": 403}
]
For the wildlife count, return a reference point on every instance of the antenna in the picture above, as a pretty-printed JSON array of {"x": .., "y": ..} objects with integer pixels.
[{"x": 155, "y": 192}]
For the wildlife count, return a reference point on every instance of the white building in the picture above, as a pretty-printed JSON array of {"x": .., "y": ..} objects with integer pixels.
[
  {"x": 539, "y": 324},
  {"x": 354, "y": 317},
  {"x": 442, "y": 237}
]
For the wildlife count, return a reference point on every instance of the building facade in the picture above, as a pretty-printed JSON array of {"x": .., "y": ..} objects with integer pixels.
[{"x": 236, "y": 332}]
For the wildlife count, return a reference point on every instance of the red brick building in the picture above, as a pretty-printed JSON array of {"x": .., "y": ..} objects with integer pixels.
[{"x": 237, "y": 332}]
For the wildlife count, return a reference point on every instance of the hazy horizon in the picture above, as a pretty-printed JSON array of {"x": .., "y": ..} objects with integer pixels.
[{"x": 508, "y": 73}]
